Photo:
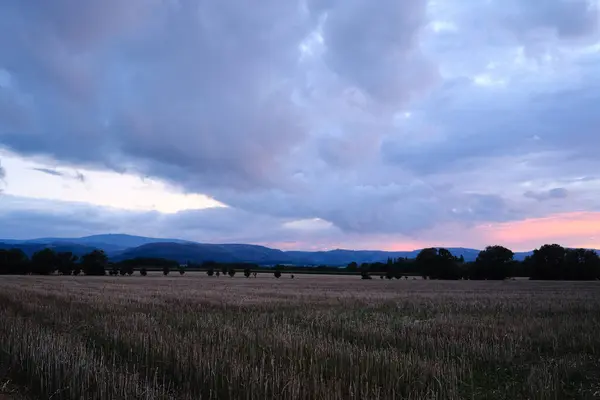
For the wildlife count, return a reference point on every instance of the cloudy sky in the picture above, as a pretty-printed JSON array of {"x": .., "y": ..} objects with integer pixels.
[{"x": 302, "y": 124}]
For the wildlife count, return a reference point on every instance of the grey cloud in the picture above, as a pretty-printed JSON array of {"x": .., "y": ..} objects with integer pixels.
[
  {"x": 530, "y": 22},
  {"x": 556, "y": 193},
  {"x": 493, "y": 34},
  {"x": 377, "y": 48},
  {"x": 48, "y": 171},
  {"x": 204, "y": 91},
  {"x": 78, "y": 176},
  {"x": 23, "y": 218},
  {"x": 473, "y": 124},
  {"x": 214, "y": 97},
  {"x": 2, "y": 177},
  {"x": 569, "y": 19},
  {"x": 478, "y": 207}
]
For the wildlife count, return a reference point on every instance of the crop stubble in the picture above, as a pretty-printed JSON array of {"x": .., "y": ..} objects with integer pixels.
[{"x": 313, "y": 337}]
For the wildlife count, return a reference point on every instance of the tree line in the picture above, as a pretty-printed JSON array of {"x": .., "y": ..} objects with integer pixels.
[
  {"x": 549, "y": 262},
  {"x": 47, "y": 262}
]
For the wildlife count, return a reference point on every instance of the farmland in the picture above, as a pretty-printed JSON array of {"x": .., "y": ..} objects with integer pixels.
[{"x": 313, "y": 337}]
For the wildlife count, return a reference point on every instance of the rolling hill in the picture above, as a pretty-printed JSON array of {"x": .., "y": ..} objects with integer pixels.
[{"x": 119, "y": 247}]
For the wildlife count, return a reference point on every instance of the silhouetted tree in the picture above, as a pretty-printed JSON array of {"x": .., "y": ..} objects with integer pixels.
[
  {"x": 94, "y": 263},
  {"x": 181, "y": 270},
  {"x": 231, "y": 272},
  {"x": 44, "y": 262},
  {"x": 166, "y": 270},
  {"x": 554, "y": 262},
  {"x": 548, "y": 262},
  {"x": 277, "y": 273},
  {"x": 247, "y": 272},
  {"x": 581, "y": 265},
  {"x": 218, "y": 273},
  {"x": 365, "y": 275},
  {"x": 492, "y": 263},
  {"x": 13, "y": 261},
  {"x": 426, "y": 261},
  {"x": 254, "y": 274},
  {"x": 438, "y": 264},
  {"x": 210, "y": 271},
  {"x": 143, "y": 272}
]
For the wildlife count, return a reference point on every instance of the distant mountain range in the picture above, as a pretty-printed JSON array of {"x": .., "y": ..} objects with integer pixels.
[{"x": 119, "y": 247}]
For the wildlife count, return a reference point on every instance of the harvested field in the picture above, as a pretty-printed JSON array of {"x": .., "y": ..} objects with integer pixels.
[{"x": 313, "y": 337}]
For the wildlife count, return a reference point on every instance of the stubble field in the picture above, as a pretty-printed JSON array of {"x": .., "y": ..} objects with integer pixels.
[{"x": 313, "y": 337}]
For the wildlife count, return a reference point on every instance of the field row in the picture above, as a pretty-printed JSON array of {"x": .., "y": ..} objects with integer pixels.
[{"x": 317, "y": 337}]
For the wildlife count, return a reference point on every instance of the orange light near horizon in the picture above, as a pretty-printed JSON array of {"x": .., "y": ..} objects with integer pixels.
[{"x": 573, "y": 229}]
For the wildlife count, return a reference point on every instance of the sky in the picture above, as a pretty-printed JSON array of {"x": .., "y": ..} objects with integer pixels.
[{"x": 302, "y": 124}]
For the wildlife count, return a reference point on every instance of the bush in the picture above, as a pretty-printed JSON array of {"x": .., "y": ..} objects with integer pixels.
[{"x": 143, "y": 272}]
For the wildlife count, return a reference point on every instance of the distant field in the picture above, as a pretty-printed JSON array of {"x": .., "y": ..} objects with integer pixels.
[{"x": 313, "y": 337}]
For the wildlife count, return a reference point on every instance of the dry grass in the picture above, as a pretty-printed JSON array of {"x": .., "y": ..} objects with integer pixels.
[{"x": 314, "y": 337}]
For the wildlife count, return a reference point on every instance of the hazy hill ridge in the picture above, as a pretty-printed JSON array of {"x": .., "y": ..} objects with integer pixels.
[{"x": 120, "y": 246}]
